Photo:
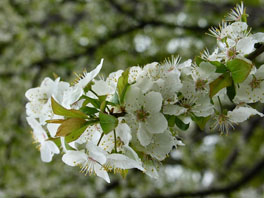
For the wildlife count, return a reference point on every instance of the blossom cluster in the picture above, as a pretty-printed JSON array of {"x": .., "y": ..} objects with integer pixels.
[{"x": 131, "y": 119}]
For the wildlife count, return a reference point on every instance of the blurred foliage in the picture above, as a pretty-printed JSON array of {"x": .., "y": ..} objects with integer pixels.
[{"x": 42, "y": 37}]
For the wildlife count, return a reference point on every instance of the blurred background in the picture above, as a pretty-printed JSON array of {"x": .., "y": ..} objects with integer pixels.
[{"x": 42, "y": 37}]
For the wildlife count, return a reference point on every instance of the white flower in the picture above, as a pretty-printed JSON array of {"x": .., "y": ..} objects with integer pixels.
[
  {"x": 240, "y": 114},
  {"x": 73, "y": 93},
  {"x": 47, "y": 148},
  {"x": 90, "y": 162},
  {"x": 39, "y": 105},
  {"x": 145, "y": 109},
  {"x": 252, "y": 89},
  {"x": 161, "y": 145},
  {"x": 85, "y": 78}
]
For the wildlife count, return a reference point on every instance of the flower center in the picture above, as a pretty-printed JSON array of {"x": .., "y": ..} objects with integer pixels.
[
  {"x": 142, "y": 115},
  {"x": 200, "y": 84},
  {"x": 255, "y": 83},
  {"x": 231, "y": 53}
]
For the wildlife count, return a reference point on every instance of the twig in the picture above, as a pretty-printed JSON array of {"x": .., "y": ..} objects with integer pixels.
[{"x": 229, "y": 188}]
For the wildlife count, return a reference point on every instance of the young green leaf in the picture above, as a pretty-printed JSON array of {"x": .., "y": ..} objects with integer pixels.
[
  {"x": 77, "y": 133},
  {"x": 181, "y": 124},
  {"x": 89, "y": 110},
  {"x": 95, "y": 102},
  {"x": 239, "y": 69},
  {"x": 221, "y": 82},
  {"x": 122, "y": 85},
  {"x": 107, "y": 122},
  {"x": 60, "y": 110},
  {"x": 69, "y": 126}
]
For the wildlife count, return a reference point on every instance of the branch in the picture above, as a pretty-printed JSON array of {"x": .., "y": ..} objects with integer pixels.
[
  {"x": 111, "y": 36},
  {"x": 256, "y": 53},
  {"x": 232, "y": 187}
]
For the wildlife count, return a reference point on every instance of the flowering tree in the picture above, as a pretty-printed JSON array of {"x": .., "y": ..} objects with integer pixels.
[{"x": 132, "y": 118}]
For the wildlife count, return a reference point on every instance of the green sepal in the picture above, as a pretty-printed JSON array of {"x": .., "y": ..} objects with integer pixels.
[
  {"x": 231, "y": 92},
  {"x": 221, "y": 82},
  {"x": 239, "y": 69},
  {"x": 172, "y": 120},
  {"x": 107, "y": 122},
  {"x": 88, "y": 86},
  {"x": 200, "y": 121},
  {"x": 180, "y": 124},
  {"x": 56, "y": 140},
  {"x": 220, "y": 67}
]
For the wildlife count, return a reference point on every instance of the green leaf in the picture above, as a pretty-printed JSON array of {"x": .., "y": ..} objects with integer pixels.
[
  {"x": 89, "y": 110},
  {"x": 200, "y": 121},
  {"x": 239, "y": 69},
  {"x": 221, "y": 82},
  {"x": 181, "y": 124},
  {"x": 60, "y": 110},
  {"x": 171, "y": 120},
  {"x": 70, "y": 125},
  {"x": 122, "y": 85},
  {"x": 77, "y": 133},
  {"x": 107, "y": 122},
  {"x": 231, "y": 92},
  {"x": 220, "y": 67},
  {"x": 95, "y": 102}
]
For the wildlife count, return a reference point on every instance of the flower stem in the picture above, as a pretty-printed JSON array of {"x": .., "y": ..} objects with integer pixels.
[
  {"x": 102, "y": 135},
  {"x": 221, "y": 107},
  {"x": 115, "y": 140}
]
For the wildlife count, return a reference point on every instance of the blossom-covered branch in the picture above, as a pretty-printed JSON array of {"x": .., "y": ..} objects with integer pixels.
[{"x": 132, "y": 118}]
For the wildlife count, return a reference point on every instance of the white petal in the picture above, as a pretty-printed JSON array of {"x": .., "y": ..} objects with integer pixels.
[
  {"x": 259, "y": 37},
  {"x": 123, "y": 131},
  {"x": 151, "y": 169},
  {"x": 153, "y": 102},
  {"x": 133, "y": 99},
  {"x": 52, "y": 147},
  {"x": 143, "y": 135},
  {"x": 174, "y": 109},
  {"x": 246, "y": 45},
  {"x": 71, "y": 95},
  {"x": 156, "y": 123},
  {"x": 99, "y": 170},
  {"x": 102, "y": 88},
  {"x": 96, "y": 153},
  {"x": 89, "y": 76},
  {"x": 241, "y": 114},
  {"x": 133, "y": 74},
  {"x": 123, "y": 162},
  {"x": 144, "y": 84},
  {"x": 161, "y": 146},
  {"x": 74, "y": 158},
  {"x": 38, "y": 131},
  {"x": 45, "y": 154}
]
